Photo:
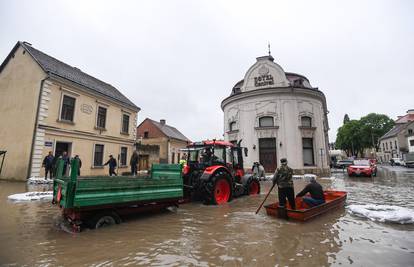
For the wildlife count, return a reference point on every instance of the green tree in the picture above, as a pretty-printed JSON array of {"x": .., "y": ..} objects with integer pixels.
[
  {"x": 373, "y": 127},
  {"x": 348, "y": 137}
]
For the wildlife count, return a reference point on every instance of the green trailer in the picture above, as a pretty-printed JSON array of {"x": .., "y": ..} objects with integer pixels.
[{"x": 96, "y": 201}]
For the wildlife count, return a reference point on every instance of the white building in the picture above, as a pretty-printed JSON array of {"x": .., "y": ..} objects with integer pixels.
[
  {"x": 277, "y": 115},
  {"x": 398, "y": 141}
]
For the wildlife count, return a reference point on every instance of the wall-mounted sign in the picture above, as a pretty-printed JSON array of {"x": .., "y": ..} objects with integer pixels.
[
  {"x": 263, "y": 80},
  {"x": 48, "y": 143},
  {"x": 86, "y": 108}
]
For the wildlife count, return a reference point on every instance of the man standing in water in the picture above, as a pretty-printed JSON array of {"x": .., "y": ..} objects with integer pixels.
[{"x": 283, "y": 179}]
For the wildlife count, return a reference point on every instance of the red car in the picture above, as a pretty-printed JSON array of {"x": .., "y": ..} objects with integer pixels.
[{"x": 362, "y": 167}]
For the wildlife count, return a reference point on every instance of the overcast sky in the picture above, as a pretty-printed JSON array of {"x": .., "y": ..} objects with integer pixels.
[{"x": 177, "y": 60}]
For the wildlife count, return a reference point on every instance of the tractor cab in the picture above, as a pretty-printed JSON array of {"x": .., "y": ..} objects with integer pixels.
[{"x": 207, "y": 154}]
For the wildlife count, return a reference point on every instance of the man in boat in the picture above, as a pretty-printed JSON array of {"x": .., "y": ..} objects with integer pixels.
[
  {"x": 283, "y": 179},
  {"x": 316, "y": 193}
]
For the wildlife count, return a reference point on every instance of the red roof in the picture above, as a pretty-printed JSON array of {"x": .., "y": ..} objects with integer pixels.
[{"x": 406, "y": 118}]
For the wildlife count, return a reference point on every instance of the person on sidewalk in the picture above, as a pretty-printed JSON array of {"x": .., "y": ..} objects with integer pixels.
[
  {"x": 316, "y": 193},
  {"x": 80, "y": 163},
  {"x": 134, "y": 162},
  {"x": 112, "y": 165},
  {"x": 48, "y": 165},
  {"x": 283, "y": 179}
]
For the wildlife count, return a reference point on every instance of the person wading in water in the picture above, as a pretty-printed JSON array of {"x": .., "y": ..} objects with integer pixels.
[{"x": 283, "y": 179}]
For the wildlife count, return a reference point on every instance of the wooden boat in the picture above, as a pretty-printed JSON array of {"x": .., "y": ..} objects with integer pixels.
[{"x": 333, "y": 200}]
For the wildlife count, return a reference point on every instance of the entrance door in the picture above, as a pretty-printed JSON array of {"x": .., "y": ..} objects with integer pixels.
[
  {"x": 267, "y": 153},
  {"x": 61, "y": 147},
  {"x": 143, "y": 162}
]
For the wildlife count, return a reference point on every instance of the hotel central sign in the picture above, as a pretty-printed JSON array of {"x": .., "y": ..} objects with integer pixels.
[{"x": 264, "y": 79}]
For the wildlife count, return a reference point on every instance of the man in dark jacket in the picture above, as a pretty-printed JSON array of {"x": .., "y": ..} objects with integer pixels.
[
  {"x": 80, "y": 163},
  {"x": 316, "y": 193},
  {"x": 112, "y": 165},
  {"x": 48, "y": 164},
  {"x": 134, "y": 162},
  {"x": 283, "y": 179}
]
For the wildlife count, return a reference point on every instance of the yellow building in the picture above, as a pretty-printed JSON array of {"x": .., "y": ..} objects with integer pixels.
[{"x": 47, "y": 105}]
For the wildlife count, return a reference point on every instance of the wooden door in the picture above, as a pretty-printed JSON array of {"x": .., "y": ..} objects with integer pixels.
[
  {"x": 143, "y": 162},
  {"x": 267, "y": 153}
]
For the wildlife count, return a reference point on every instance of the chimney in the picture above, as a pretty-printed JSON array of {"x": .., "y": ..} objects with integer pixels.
[{"x": 162, "y": 122}]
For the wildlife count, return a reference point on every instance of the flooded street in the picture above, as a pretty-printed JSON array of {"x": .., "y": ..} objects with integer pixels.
[{"x": 228, "y": 235}]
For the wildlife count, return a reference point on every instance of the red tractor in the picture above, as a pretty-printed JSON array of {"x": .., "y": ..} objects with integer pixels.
[{"x": 214, "y": 172}]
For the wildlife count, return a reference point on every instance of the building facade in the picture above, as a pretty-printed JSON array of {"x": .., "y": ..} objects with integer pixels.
[
  {"x": 278, "y": 115},
  {"x": 48, "y": 105},
  {"x": 398, "y": 141},
  {"x": 169, "y": 140}
]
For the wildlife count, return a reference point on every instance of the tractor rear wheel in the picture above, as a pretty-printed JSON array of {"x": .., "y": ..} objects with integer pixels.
[
  {"x": 254, "y": 187},
  {"x": 221, "y": 191},
  {"x": 104, "y": 219}
]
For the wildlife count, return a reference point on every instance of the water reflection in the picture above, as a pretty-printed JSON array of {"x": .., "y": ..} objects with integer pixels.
[{"x": 229, "y": 235}]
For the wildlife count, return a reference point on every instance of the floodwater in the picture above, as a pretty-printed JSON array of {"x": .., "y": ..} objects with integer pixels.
[{"x": 228, "y": 235}]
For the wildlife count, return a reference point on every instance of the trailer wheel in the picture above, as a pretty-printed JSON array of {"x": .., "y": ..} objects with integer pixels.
[
  {"x": 254, "y": 187},
  {"x": 222, "y": 191},
  {"x": 104, "y": 219}
]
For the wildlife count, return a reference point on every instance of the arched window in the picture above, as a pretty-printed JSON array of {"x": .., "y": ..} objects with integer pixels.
[
  {"x": 266, "y": 121},
  {"x": 306, "y": 121},
  {"x": 232, "y": 126}
]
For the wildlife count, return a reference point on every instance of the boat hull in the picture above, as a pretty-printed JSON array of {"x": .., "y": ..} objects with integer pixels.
[{"x": 333, "y": 200}]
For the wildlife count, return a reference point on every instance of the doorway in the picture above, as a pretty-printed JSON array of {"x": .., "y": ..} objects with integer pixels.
[
  {"x": 61, "y": 147},
  {"x": 143, "y": 162},
  {"x": 267, "y": 153}
]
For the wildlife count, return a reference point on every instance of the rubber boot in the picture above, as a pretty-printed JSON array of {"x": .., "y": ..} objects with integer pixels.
[{"x": 282, "y": 213}]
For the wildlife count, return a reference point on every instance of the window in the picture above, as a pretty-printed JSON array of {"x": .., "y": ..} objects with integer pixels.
[
  {"x": 308, "y": 159},
  {"x": 386, "y": 144},
  {"x": 306, "y": 121},
  {"x": 233, "y": 126},
  {"x": 123, "y": 159},
  {"x": 266, "y": 122},
  {"x": 172, "y": 157},
  {"x": 410, "y": 131},
  {"x": 178, "y": 157},
  {"x": 98, "y": 155},
  {"x": 411, "y": 142},
  {"x": 219, "y": 154},
  {"x": 125, "y": 123},
  {"x": 101, "y": 119},
  {"x": 146, "y": 134},
  {"x": 395, "y": 143},
  {"x": 68, "y": 108},
  {"x": 383, "y": 147},
  {"x": 390, "y": 145}
]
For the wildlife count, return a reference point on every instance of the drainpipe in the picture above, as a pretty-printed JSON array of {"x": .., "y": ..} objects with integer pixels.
[{"x": 36, "y": 125}]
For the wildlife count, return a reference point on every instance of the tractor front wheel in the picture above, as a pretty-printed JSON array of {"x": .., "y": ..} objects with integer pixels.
[{"x": 222, "y": 191}]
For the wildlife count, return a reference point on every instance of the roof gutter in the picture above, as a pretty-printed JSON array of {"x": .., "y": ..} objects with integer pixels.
[{"x": 36, "y": 125}]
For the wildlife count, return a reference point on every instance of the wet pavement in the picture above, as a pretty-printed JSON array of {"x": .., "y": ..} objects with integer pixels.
[{"x": 228, "y": 235}]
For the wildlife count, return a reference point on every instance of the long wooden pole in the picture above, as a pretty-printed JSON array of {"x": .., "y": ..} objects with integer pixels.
[{"x": 265, "y": 198}]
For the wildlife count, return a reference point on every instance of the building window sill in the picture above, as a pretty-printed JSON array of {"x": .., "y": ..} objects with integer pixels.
[
  {"x": 65, "y": 121},
  {"x": 232, "y": 132},
  {"x": 309, "y": 166},
  {"x": 307, "y": 128},
  {"x": 97, "y": 167},
  {"x": 123, "y": 133},
  {"x": 100, "y": 128},
  {"x": 266, "y": 127}
]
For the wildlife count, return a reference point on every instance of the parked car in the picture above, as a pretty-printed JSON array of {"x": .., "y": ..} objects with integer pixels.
[
  {"x": 362, "y": 167},
  {"x": 397, "y": 161},
  {"x": 409, "y": 160},
  {"x": 341, "y": 164}
]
